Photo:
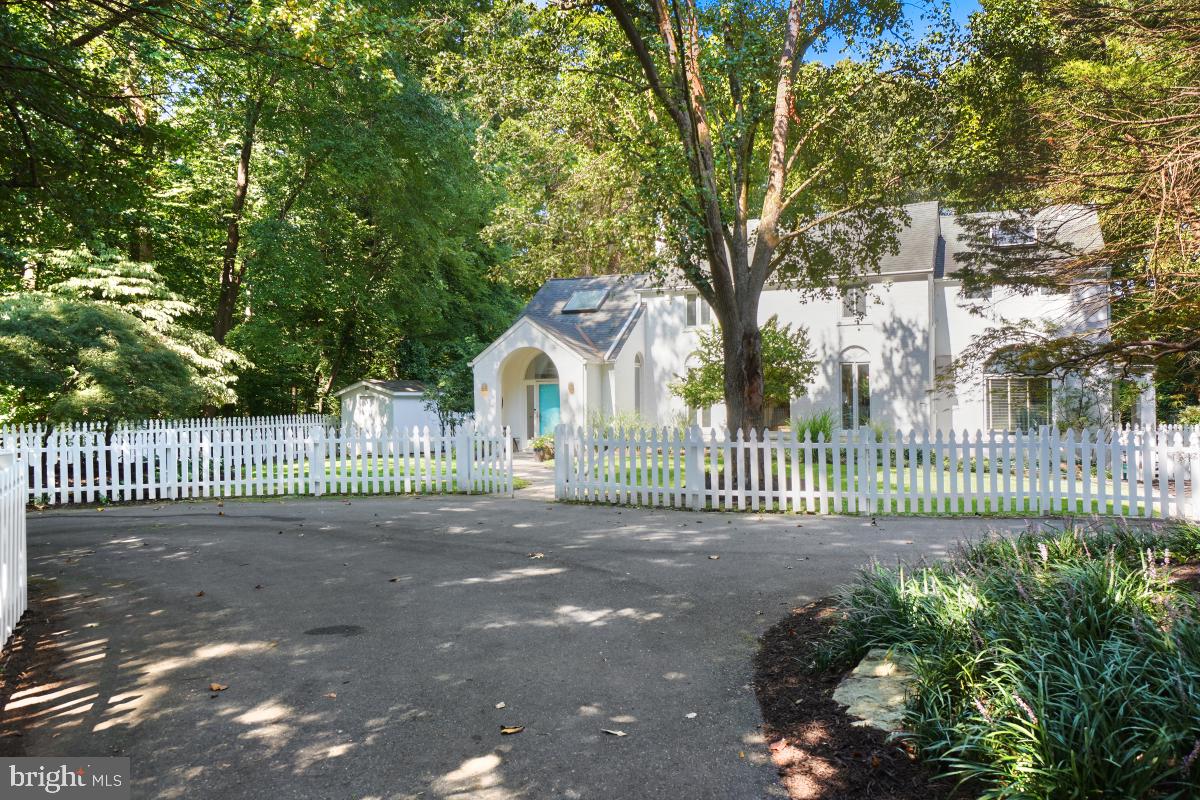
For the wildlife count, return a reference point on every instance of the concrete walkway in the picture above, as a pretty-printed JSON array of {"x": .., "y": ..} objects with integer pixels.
[
  {"x": 366, "y": 646},
  {"x": 537, "y": 474}
]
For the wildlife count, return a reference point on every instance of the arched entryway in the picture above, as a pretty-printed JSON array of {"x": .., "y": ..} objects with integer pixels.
[
  {"x": 531, "y": 394},
  {"x": 543, "y": 406}
]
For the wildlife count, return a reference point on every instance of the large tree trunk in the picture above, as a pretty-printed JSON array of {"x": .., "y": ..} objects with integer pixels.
[
  {"x": 743, "y": 371},
  {"x": 231, "y": 271}
]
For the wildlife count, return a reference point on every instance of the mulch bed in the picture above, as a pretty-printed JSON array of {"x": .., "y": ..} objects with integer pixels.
[{"x": 820, "y": 753}]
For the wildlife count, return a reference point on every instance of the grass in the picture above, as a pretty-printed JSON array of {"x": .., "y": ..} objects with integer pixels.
[{"x": 1055, "y": 665}]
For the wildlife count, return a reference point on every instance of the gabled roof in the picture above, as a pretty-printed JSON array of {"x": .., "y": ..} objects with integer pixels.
[
  {"x": 597, "y": 334},
  {"x": 387, "y": 387}
]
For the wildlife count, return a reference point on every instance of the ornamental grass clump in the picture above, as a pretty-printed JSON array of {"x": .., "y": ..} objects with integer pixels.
[{"x": 1047, "y": 665}]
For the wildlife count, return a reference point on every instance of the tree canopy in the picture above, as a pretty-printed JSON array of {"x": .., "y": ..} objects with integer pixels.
[{"x": 1091, "y": 104}]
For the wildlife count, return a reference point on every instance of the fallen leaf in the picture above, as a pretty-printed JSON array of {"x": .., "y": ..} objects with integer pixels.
[
  {"x": 200, "y": 594},
  {"x": 220, "y": 505},
  {"x": 220, "y": 513},
  {"x": 258, "y": 586},
  {"x": 614, "y": 733},
  {"x": 394, "y": 580},
  {"x": 691, "y": 715},
  {"x": 508, "y": 730},
  {"x": 217, "y": 687},
  {"x": 741, "y": 753},
  {"x": 332, "y": 695},
  {"x": 501, "y": 705},
  {"x": 537, "y": 555},
  {"x": 713, "y": 558},
  {"x": 778, "y": 744}
]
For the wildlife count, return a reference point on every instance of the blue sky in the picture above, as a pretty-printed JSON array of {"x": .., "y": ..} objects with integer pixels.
[{"x": 961, "y": 10}]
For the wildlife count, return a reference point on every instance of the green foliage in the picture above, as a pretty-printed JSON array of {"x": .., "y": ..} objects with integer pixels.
[
  {"x": 1189, "y": 415},
  {"x": 818, "y": 425},
  {"x": 569, "y": 203},
  {"x": 359, "y": 248},
  {"x": 545, "y": 443},
  {"x": 63, "y": 360},
  {"x": 1068, "y": 102},
  {"x": 617, "y": 421},
  {"x": 95, "y": 311},
  {"x": 1060, "y": 664},
  {"x": 788, "y": 366}
]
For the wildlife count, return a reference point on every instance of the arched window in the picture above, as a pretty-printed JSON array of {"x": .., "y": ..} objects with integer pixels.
[
  {"x": 637, "y": 383},
  {"x": 541, "y": 368},
  {"x": 856, "y": 388}
]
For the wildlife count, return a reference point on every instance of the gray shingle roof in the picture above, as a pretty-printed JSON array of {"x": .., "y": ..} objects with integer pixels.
[
  {"x": 917, "y": 240},
  {"x": 1064, "y": 230},
  {"x": 594, "y": 333}
]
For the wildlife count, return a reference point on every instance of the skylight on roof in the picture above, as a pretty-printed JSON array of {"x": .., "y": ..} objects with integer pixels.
[{"x": 585, "y": 300}]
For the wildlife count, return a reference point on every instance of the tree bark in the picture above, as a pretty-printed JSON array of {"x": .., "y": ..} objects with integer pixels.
[
  {"x": 231, "y": 271},
  {"x": 736, "y": 275}
]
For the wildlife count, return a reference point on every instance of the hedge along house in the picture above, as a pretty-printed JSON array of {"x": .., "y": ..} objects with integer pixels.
[{"x": 607, "y": 345}]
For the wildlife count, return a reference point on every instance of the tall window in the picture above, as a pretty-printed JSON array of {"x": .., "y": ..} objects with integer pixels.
[
  {"x": 854, "y": 304},
  {"x": 637, "y": 383},
  {"x": 1018, "y": 403},
  {"x": 856, "y": 389},
  {"x": 698, "y": 312}
]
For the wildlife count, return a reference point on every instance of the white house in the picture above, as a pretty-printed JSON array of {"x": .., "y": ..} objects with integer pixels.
[
  {"x": 591, "y": 348},
  {"x": 375, "y": 406}
]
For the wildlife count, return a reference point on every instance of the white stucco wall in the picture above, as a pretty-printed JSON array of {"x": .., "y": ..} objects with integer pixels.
[
  {"x": 894, "y": 333},
  {"x": 962, "y": 320},
  {"x": 911, "y": 322},
  {"x": 502, "y": 369}
]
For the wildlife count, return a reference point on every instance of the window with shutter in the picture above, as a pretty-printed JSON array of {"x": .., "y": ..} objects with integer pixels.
[{"x": 1018, "y": 403}]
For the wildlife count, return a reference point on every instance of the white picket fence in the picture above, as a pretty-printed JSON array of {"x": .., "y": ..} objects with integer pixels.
[
  {"x": 271, "y": 456},
  {"x": 13, "y": 580},
  {"x": 1134, "y": 473}
]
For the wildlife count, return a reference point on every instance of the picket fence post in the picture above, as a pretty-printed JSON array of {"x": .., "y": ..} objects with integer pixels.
[
  {"x": 464, "y": 460},
  {"x": 316, "y": 463},
  {"x": 693, "y": 471}
]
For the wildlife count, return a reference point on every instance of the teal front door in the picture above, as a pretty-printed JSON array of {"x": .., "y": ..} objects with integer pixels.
[{"x": 548, "y": 415}]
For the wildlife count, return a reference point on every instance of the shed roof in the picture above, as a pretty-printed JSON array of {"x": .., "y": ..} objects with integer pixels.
[{"x": 396, "y": 387}]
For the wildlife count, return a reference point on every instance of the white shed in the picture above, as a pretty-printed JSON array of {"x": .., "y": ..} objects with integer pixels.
[{"x": 376, "y": 406}]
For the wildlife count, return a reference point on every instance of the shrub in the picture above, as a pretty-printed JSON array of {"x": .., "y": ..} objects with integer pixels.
[
  {"x": 1055, "y": 665},
  {"x": 545, "y": 442},
  {"x": 816, "y": 424},
  {"x": 1189, "y": 415},
  {"x": 619, "y": 420}
]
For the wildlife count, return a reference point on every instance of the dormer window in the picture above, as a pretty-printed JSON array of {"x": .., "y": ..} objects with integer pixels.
[
  {"x": 1014, "y": 233},
  {"x": 585, "y": 300}
]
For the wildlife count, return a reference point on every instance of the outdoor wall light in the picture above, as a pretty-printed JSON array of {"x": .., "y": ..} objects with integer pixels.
[
  {"x": 483, "y": 389},
  {"x": 570, "y": 388}
]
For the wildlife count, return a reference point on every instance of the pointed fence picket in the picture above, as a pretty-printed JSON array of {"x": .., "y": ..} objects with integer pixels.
[
  {"x": 13, "y": 576},
  {"x": 251, "y": 457},
  {"x": 1125, "y": 472}
]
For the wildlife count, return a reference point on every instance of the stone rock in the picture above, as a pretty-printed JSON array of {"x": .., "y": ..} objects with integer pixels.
[{"x": 875, "y": 691}]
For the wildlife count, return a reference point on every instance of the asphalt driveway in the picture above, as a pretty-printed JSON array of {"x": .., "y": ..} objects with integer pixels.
[{"x": 366, "y": 645}]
